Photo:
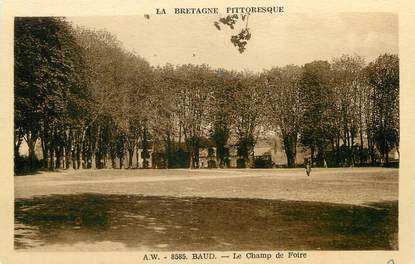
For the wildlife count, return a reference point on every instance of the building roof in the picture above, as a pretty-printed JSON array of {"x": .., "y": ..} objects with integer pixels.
[{"x": 262, "y": 151}]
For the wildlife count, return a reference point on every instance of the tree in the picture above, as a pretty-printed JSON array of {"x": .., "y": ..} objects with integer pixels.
[
  {"x": 247, "y": 115},
  {"x": 88, "y": 100},
  {"x": 105, "y": 60},
  {"x": 120, "y": 87},
  {"x": 193, "y": 95},
  {"x": 283, "y": 106},
  {"x": 383, "y": 76},
  {"x": 241, "y": 39},
  {"x": 220, "y": 116},
  {"x": 349, "y": 101},
  {"x": 166, "y": 126},
  {"x": 49, "y": 77},
  {"x": 316, "y": 101}
]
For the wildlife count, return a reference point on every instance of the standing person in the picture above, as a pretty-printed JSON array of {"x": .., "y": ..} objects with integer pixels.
[{"x": 307, "y": 165}]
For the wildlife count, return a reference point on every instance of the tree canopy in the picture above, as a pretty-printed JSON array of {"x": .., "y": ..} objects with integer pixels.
[{"x": 90, "y": 103}]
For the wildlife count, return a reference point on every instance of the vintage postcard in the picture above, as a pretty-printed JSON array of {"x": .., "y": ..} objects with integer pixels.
[{"x": 207, "y": 132}]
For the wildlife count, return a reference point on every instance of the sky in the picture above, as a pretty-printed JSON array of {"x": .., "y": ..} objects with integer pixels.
[{"x": 277, "y": 39}]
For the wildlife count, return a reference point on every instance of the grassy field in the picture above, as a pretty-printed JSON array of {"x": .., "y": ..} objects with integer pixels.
[{"x": 247, "y": 209}]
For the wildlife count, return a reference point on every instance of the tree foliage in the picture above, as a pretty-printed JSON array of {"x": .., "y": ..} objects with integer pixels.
[
  {"x": 240, "y": 39},
  {"x": 89, "y": 103},
  {"x": 283, "y": 103},
  {"x": 383, "y": 77}
]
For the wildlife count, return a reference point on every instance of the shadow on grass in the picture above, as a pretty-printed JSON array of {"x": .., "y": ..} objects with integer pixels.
[
  {"x": 191, "y": 223},
  {"x": 26, "y": 173}
]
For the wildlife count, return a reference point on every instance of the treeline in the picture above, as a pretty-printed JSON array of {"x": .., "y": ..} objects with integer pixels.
[{"x": 92, "y": 104}]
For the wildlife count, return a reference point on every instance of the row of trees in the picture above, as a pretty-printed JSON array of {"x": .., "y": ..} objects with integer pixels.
[
  {"x": 90, "y": 102},
  {"x": 345, "y": 106}
]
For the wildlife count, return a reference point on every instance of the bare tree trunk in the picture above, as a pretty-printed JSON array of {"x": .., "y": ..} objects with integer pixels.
[
  {"x": 290, "y": 145},
  {"x": 94, "y": 148},
  {"x": 130, "y": 157},
  {"x": 18, "y": 143},
  {"x": 191, "y": 160},
  {"x": 370, "y": 147},
  {"x": 121, "y": 162},
  {"x": 104, "y": 161},
  {"x": 352, "y": 148},
  {"x": 361, "y": 147},
  {"x": 52, "y": 158},
  {"x": 137, "y": 157},
  {"x": 64, "y": 160},
  {"x": 31, "y": 142},
  {"x": 58, "y": 157},
  {"x": 312, "y": 155}
]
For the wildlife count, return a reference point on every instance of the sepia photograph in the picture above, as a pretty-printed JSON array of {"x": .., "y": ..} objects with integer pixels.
[
  {"x": 196, "y": 130},
  {"x": 205, "y": 139},
  {"x": 176, "y": 132}
]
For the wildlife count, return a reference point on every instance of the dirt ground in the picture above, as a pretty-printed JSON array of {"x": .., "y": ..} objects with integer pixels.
[
  {"x": 246, "y": 209},
  {"x": 343, "y": 186}
]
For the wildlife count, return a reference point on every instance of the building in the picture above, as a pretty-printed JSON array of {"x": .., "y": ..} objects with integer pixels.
[{"x": 207, "y": 157}]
